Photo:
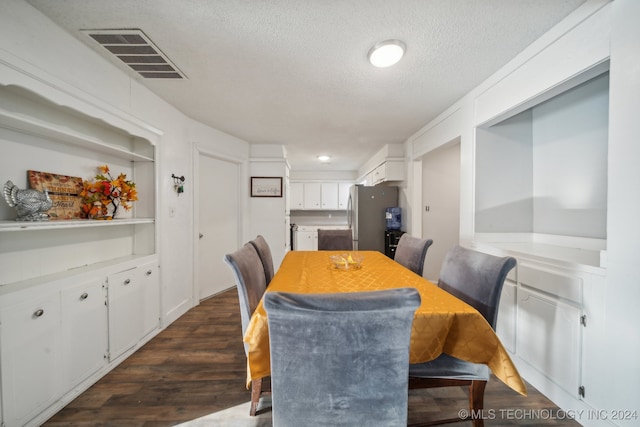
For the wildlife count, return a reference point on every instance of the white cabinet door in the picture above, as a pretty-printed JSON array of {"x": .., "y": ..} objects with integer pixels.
[
  {"x": 307, "y": 241},
  {"x": 30, "y": 358},
  {"x": 549, "y": 338},
  {"x": 125, "y": 312},
  {"x": 329, "y": 195},
  {"x": 506, "y": 323},
  {"x": 85, "y": 337},
  {"x": 312, "y": 195},
  {"x": 343, "y": 195},
  {"x": 297, "y": 195},
  {"x": 148, "y": 275}
]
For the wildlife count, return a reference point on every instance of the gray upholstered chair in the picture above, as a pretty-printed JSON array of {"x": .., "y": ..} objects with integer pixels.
[
  {"x": 264, "y": 252},
  {"x": 411, "y": 252},
  {"x": 340, "y": 359},
  {"x": 335, "y": 240},
  {"x": 477, "y": 279},
  {"x": 251, "y": 283}
]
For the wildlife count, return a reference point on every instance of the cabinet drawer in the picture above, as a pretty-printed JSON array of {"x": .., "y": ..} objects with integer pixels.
[{"x": 550, "y": 282}]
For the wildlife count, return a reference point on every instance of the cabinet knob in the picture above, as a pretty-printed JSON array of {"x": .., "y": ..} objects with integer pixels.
[
  {"x": 38, "y": 313},
  {"x": 84, "y": 296},
  {"x": 126, "y": 282},
  {"x": 148, "y": 272}
]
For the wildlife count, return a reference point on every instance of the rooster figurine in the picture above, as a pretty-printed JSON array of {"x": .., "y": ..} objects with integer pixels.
[{"x": 31, "y": 205}]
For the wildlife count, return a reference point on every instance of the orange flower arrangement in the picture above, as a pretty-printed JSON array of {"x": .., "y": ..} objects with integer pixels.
[{"x": 105, "y": 191}]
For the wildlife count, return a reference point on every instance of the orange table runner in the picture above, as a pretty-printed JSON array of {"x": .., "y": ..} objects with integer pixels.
[{"x": 442, "y": 323}]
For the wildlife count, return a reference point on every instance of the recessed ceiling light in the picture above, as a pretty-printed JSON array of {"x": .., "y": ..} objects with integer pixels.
[
  {"x": 386, "y": 53},
  {"x": 324, "y": 158}
]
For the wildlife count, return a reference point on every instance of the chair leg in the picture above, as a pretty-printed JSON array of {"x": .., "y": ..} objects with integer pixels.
[
  {"x": 476, "y": 402},
  {"x": 256, "y": 390}
]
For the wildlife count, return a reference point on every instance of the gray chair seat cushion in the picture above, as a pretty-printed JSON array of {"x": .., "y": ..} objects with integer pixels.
[{"x": 450, "y": 367}]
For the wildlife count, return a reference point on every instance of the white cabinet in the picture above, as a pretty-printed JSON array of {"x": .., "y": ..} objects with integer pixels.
[
  {"x": 329, "y": 196},
  {"x": 549, "y": 338},
  {"x": 506, "y": 323},
  {"x": 343, "y": 195},
  {"x": 297, "y": 195},
  {"x": 150, "y": 283},
  {"x": 31, "y": 357},
  {"x": 391, "y": 170},
  {"x": 56, "y": 329},
  {"x": 84, "y": 330},
  {"x": 312, "y": 195},
  {"x": 125, "y": 311},
  {"x": 306, "y": 241},
  {"x": 319, "y": 195}
]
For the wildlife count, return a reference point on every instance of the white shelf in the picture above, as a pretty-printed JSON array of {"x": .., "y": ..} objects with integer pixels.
[
  {"x": 79, "y": 223},
  {"x": 33, "y": 126}
]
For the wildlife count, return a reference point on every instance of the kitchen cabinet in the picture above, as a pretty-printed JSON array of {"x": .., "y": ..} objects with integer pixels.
[
  {"x": 329, "y": 195},
  {"x": 58, "y": 334},
  {"x": 312, "y": 195},
  {"x": 306, "y": 241},
  {"x": 390, "y": 170},
  {"x": 319, "y": 195},
  {"x": 297, "y": 195},
  {"x": 343, "y": 195}
]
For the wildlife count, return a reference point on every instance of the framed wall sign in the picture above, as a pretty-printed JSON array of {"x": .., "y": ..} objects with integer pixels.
[{"x": 266, "y": 186}]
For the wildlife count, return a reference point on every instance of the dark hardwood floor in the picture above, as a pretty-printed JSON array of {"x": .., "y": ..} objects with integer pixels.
[{"x": 197, "y": 366}]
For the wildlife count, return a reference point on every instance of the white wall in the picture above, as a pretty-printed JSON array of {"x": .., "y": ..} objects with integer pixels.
[
  {"x": 622, "y": 346},
  {"x": 570, "y": 135},
  {"x": 48, "y": 57},
  {"x": 582, "y": 43}
]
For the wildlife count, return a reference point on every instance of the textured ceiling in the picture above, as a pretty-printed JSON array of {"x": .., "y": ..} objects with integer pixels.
[{"x": 295, "y": 72}]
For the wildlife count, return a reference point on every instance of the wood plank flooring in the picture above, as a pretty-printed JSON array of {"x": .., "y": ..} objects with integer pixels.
[{"x": 197, "y": 366}]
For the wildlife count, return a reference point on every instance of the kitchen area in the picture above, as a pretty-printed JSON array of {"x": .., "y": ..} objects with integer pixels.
[{"x": 371, "y": 212}]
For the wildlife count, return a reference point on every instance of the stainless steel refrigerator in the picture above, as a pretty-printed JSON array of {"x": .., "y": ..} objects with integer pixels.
[{"x": 366, "y": 215}]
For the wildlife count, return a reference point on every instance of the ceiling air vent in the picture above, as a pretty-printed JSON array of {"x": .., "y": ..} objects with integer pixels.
[{"x": 136, "y": 50}]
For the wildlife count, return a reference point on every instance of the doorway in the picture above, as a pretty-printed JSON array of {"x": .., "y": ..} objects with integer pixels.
[
  {"x": 218, "y": 223},
  {"x": 440, "y": 204}
]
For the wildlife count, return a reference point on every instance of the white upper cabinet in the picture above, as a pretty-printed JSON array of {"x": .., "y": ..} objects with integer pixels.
[
  {"x": 319, "y": 195},
  {"x": 312, "y": 195},
  {"x": 329, "y": 196},
  {"x": 343, "y": 195}
]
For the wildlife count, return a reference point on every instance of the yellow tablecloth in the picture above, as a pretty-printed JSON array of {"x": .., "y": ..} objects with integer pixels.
[{"x": 442, "y": 323}]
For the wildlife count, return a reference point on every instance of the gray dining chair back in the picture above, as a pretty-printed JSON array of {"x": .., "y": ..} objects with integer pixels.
[
  {"x": 477, "y": 279},
  {"x": 411, "y": 252},
  {"x": 264, "y": 252},
  {"x": 251, "y": 283},
  {"x": 340, "y": 359},
  {"x": 335, "y": 240}
]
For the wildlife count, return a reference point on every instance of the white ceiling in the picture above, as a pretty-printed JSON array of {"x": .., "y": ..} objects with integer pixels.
[{"x": 295, "y": 72}]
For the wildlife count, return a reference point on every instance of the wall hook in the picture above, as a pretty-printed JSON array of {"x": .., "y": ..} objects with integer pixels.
[{"x": 178, "y": 183}]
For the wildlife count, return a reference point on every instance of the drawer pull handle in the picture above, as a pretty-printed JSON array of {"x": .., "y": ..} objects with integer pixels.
[
  {"x": 126, "y": 282},
  {"x": 149, "y": 272},
  {"x": 38, "y": 313},
  {"x": 84, "y": 296}
]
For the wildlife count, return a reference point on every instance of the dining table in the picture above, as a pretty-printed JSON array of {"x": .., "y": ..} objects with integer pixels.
[{"x": 442, "y": 324}]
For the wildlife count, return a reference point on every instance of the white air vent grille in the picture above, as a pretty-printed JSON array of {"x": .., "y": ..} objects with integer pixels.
[{"x": 136, "y": 50}]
